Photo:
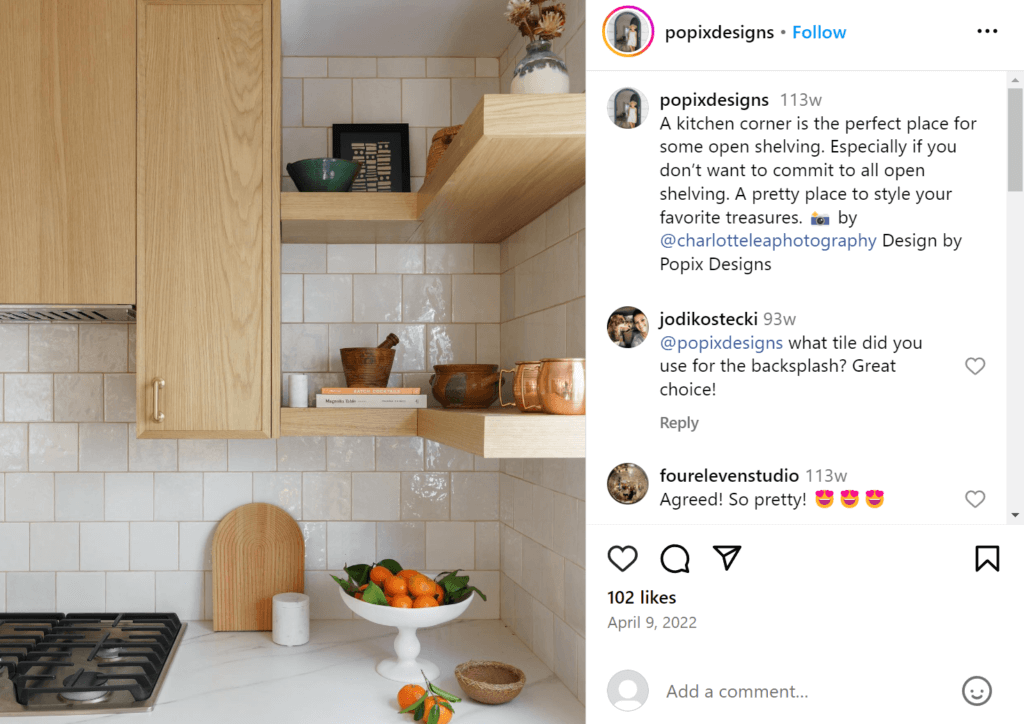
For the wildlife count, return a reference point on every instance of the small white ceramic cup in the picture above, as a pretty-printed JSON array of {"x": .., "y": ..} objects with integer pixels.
[
  {"x": 291, "y": 619},
  {"x": 298, "y": 391}
]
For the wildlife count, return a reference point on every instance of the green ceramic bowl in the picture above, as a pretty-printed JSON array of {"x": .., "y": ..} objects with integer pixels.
[{"x": 324, "y": 174}]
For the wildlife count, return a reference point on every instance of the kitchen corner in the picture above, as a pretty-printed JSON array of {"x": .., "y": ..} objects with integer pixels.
[{"x": 145, "y": 364}]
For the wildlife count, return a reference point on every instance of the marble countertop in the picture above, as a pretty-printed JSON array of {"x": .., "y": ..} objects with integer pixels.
[{"x": 219, "y": 678}]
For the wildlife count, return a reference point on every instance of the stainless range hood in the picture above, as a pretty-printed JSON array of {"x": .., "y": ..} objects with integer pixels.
[{"x": 66, "y": 313}]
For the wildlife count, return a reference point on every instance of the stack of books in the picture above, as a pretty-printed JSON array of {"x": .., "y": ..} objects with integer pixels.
[{"x": 371, "y": 397}]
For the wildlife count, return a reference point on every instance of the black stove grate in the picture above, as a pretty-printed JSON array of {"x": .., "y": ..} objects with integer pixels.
[{"x": 85, "y": 656}]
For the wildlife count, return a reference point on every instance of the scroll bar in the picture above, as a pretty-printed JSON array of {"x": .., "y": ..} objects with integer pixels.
[
  {"x": 1015, "y": 138},
  {"x": 1015, "y": 298}
]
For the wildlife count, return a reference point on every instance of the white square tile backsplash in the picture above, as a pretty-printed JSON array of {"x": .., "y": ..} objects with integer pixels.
[
  {"x": 541, "y": 306},
  {"x": 28, "y": 398}
]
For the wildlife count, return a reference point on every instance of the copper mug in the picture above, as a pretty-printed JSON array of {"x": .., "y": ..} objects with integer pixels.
[
  {"x": 525, "y": 393},
  {"x": 563, "y": 386}
]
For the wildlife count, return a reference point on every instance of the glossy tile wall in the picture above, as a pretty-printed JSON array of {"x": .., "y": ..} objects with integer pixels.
[
  {"x": 441, "y": 300},
  {"x": 543, "y": 509},
  {"x": 427, "y": 93},
  {"x": 93, "y": 519}
]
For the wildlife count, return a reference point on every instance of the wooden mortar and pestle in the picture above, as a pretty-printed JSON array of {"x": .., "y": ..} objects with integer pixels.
[{"x": 369, "y": 366}]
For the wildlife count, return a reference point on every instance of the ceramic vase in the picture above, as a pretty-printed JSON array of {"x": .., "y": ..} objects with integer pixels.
[{"x": 541, "y": 71}]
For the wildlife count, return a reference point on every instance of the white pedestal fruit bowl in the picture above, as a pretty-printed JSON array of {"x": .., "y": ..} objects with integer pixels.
[{"x": 405, "y": 667}]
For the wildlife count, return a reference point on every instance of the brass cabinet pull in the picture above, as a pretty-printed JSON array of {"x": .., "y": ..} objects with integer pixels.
[{"x": 158, "y": 385}]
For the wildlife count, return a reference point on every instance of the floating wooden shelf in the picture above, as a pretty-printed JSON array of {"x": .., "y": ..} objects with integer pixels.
[
  {"x": 490, "y": 433},
  {"x": 516, "y": 157},
  {"x": 315, "y": 422},
  {"x": 348, "y": 218},
  {"x": 506, "y": 433}
]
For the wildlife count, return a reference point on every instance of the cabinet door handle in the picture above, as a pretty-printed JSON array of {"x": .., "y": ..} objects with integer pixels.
[{"x": 158, "y": 385}]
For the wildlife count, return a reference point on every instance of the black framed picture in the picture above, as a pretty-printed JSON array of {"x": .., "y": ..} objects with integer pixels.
[{"x": 382, "y": 148}]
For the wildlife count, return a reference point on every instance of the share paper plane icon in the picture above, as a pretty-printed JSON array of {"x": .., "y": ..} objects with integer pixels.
[{"x": 728, "y": 554}]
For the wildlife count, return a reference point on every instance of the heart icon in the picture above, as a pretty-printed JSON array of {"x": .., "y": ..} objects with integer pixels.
[
  {"x": 622, "y": 557},
  {"x": 975, "y": 497},
  {"x": 975, "y": 365}
]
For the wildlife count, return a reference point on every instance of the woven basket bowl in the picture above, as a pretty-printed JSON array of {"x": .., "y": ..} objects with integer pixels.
[{"x": 490, "y": 682}]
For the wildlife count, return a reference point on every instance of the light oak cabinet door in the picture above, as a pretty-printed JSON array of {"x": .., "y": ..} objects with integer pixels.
[
  {"x": 67, "y": 152},
  {"x": 206, "y": 219}
]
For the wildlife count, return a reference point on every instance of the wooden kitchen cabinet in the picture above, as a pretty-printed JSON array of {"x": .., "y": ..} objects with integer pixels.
[
  {"x": 67, "y": 152},
  {"x": 208, "y": 232}
]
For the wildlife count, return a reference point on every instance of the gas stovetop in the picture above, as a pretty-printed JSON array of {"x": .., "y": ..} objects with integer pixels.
[{"x": 84, "y": 663}]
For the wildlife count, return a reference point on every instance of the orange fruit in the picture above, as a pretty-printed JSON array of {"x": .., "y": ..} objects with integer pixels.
[
  {"x": 362, "y": 588},
  {"x": 446, "y": 713},
  {"x": 401, "y": 601},
  {"x": 424, "y": 602},
  {"x": 379, "y": 575},
  {"x": 396, "y": 586},
  {"x": 409, "y": 695},
  {"x": 439, "y": 593},
  {"x": 421, "y": 586},
  {"x": 409, "y": 573}
]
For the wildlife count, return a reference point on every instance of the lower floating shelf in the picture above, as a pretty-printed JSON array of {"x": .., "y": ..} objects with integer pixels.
[
  {"x": 507, "y": 433},
  {"x": 491, "y": 433},
  {"x": 315, "y": 422}
]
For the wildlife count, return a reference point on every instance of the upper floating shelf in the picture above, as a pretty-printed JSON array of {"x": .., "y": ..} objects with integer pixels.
[{"x": 516, "y": 157}]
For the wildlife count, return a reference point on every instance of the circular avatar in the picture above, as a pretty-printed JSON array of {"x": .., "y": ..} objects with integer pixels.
[
  {"x": 627, "y": 108},
  {"x": 627, "y": 484},
  {"x": 628, "y": 31},
  {"x": 628, "y": 690},
  {"x": 628, "y": 327}
]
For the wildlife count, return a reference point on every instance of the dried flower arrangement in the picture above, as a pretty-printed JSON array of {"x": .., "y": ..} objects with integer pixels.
[{"x": 536, "y": 21}]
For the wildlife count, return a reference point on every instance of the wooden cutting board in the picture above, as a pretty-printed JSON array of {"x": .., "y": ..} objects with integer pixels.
[{"x": 258, "y": 552}]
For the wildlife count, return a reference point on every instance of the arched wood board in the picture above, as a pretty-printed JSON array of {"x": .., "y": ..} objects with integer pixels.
[{"x": 258, "y": 552}]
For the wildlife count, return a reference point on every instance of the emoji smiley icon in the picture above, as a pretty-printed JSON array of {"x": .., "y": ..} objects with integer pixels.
[
  {"x": 977, "y": 691},
  {"x": 823, "y": 498},
  {"x": 874, "y": 498},
  {"x": 850, "y": 498}
]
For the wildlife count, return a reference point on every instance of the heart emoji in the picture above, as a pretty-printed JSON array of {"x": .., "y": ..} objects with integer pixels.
[
  {"x": 975, "y": 497},
  {"x": 975, "y": 365},
  {"x": 622, "y": 557}
]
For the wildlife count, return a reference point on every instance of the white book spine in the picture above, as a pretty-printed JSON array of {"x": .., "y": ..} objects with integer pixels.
[{"x": 373, "y": 401}]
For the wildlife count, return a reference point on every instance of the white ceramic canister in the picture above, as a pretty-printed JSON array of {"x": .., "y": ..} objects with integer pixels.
[
  {"x": 298, "y": 391},
  {"x": 291, "y": 619}
]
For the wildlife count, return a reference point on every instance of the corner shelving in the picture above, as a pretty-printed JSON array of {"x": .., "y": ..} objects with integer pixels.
[
  {"x": 516, "y": 157},
  {"x": 315, "y": 422},
  {"x": 506, "y": 433},
  {"x": 492, "y": 433}
]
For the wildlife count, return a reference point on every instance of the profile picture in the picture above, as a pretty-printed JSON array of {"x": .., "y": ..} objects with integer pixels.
[
  {"x": 628, "y": 690},
  {"x": 627, "y": 108},
  {"x": 628, "y": 31},
  {"x": 628, "y": 327},
  {"x": 627, "y": 483}
]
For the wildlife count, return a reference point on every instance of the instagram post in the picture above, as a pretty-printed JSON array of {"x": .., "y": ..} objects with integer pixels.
[{"x": 299, "y": 323}]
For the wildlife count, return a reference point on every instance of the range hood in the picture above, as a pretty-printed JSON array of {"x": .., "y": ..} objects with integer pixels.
[{"x": 66, "y": 313}]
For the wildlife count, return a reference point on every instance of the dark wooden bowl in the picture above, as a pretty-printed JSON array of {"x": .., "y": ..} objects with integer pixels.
[
  {"x": 367, "y": 366},
  {"x": 466, "y": 387}
]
